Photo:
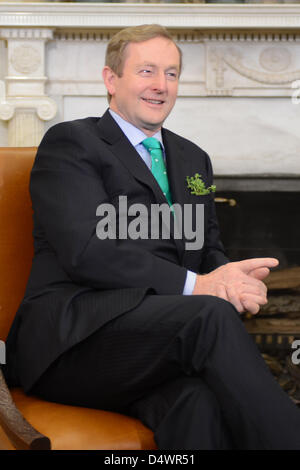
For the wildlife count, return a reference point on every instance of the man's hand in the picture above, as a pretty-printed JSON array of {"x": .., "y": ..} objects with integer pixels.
[{"x": 240, "y": 283}]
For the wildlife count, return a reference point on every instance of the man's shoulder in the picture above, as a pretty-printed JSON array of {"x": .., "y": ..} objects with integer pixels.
[
  {"x": 68, "y": 141},
  {"x": 74, "y": 125},
  {"x": 85, "y": 129},
  {"x": 183, "y": 142}
]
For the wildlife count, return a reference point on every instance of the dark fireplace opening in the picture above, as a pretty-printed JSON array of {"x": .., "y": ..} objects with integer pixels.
[{"x": 260, "y": 224}]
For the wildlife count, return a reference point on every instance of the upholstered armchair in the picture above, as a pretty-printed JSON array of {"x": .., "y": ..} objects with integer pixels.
[{"x": 27, "y": 422}]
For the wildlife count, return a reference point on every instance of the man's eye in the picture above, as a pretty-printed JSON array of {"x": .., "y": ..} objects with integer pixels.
[
  {"x": 172, "y": 74},
  {"x": 145, "y": 71}
]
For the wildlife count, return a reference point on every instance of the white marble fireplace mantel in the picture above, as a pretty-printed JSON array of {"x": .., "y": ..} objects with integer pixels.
[
  {"x": 120, "y": 15},
  {"x": 239, "y": 96}
]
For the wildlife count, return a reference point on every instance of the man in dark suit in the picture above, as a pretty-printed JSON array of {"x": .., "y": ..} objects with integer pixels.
[{"x": 142, "y": 325}]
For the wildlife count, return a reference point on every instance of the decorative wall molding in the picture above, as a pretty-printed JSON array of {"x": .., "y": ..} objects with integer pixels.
[
  {"x": 275, "y": 59},
  {"x": 103, "y": 15},
  {"x": 95, "y": 35},
  {"x": 252, "y": 36},
  {"x": 84, "y": 36},
  {"x": 23, "y": 102},
  {"x": 44, "y": 107},
  {"x": 25, "y": 59},
  {"x": 252, "y": 68},
  {"x": 234, "y": 60},
  {"x": 8, "y": 32}
]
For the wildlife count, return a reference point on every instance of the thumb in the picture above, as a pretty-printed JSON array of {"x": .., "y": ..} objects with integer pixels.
[{"x": 259, "y": 273}]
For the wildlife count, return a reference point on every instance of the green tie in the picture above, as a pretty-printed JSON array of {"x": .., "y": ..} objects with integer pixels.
[{"x": 158, "y": 166}]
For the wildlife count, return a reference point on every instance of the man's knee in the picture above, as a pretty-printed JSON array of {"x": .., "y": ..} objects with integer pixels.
[
  {"x": 216, "y": 309},
  {"x": 221, "y": 305},
  {"x": 211, "y": 316}
]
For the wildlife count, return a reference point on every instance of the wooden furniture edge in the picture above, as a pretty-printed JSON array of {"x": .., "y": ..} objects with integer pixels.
[{"x": 21, "y": 434}]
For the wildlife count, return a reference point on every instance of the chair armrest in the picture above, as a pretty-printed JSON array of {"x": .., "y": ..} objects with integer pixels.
[{"x": 22, "y": 435}]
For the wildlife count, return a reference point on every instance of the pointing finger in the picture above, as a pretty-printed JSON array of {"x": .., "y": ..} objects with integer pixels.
[{"x": 248, "y": 265}]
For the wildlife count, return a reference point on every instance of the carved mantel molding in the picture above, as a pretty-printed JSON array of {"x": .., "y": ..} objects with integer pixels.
[
  {"x": 177, "y": 16},
  {"x": 22, "y": 95}
]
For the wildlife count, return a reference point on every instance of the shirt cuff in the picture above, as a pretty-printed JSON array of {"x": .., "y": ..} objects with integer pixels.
[{"x": 190, "y": 281}]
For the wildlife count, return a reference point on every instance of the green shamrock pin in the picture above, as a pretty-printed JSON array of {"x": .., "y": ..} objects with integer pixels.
[{"x": 197, "y": 185}]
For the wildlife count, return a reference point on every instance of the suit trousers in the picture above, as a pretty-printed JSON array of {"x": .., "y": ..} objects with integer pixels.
[{"x": 187, "y": 368}]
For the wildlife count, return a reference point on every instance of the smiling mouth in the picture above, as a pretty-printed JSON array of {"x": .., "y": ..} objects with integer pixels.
[{"x": 153, "y": 101}]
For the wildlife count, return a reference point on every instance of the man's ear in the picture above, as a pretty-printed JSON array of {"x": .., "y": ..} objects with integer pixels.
[{"x": 109, "y": 77}]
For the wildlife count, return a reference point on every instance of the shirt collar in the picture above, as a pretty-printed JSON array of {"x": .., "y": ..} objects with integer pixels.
[{"x": 133, "y": 134}]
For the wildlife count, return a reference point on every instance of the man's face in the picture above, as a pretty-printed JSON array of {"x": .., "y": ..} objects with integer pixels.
[{"x": 146, "y": 92}]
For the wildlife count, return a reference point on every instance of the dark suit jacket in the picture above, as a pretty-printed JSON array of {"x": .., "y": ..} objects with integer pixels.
[{"x": 79, "y": 282}]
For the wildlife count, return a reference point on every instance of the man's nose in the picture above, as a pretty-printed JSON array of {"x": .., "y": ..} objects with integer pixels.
[{"x": 159, "y": 82}]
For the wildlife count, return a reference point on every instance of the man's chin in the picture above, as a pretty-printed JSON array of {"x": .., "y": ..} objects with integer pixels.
[{"x": 153, "y": 126}]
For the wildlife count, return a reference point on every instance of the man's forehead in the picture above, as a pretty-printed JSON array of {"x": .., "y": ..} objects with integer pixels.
[
  {"x": 148, "y": 63},
  {"x": 146, "y": 51}
]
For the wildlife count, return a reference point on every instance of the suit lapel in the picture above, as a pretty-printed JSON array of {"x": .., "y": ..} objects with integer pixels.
[
  {"x": 177, "y": 169},
  {"x": 126, "y": 153}
]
